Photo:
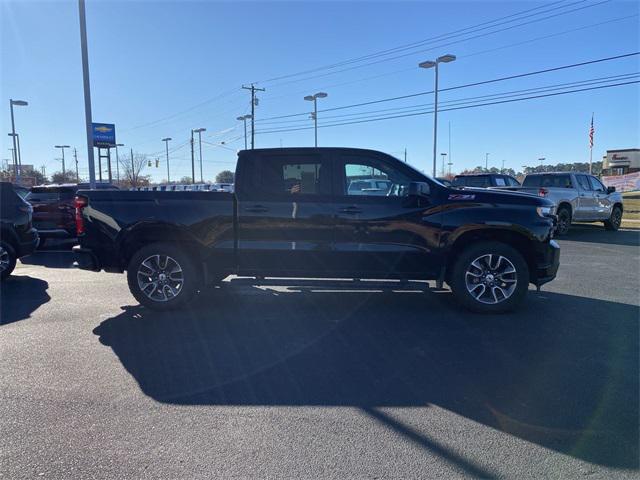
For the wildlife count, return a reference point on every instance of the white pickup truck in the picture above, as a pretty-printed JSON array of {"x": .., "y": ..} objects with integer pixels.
[{"x": 579, "y": 197}]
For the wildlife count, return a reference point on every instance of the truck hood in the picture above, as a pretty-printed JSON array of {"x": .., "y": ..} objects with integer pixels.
[{"x": 498, "y": 196}]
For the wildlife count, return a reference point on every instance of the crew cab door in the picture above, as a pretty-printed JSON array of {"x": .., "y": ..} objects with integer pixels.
[
  {"x": 378, "y": 236},
  {"x": 285, "y": 214},
  {"x": 586, "y": 209}
]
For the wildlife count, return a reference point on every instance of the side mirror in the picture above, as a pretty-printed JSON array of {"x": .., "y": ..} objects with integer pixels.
[
  {"x": 611, "y": 190},
  {"x": 419, "y": 189}
]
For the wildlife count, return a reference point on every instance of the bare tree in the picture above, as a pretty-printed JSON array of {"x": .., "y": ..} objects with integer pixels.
[
  {"x": 131, "y": 168},
  {"x": 225, "y": 176}
]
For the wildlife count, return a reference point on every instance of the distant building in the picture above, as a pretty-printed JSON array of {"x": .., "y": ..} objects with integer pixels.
[{"x": 621, "y": 162}]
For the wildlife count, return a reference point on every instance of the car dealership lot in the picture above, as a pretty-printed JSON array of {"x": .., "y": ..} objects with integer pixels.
[{"x": 317, "y": 379}]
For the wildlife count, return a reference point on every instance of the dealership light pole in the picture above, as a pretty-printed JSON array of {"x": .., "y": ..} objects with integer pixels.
[
  {"x": 314, "y": 98},
  {"x": 118, "y": 161},
  {"x": 16, "y": 155},
  {"x": 429, "y": 64},
  {"x": 87, "y": 93},
  {"x": 166, "y": 144},
  {"x": 62, "y": 147},
  {"x": 199, "y": 132},
  {"x": 541, "y": 160},
  {"x": 244, "y": 119},
  {"x": 443, "y": 156}
]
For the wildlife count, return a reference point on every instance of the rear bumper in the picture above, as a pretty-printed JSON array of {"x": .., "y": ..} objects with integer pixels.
[
  {"x": 548, "y": 264},
  {"x": 28, "y": 243},
  {"x": 86, "y": 259}
]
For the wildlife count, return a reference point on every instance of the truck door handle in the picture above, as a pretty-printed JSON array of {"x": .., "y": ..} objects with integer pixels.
[
  {"x": 353, "y": 210},
  {"x": 256, "y": 209}
]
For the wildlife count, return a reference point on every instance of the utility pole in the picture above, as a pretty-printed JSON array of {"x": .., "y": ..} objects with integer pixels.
[
  {"x": 75, "y": 155},
  {"x": 193, "y": 161},
  {"x": 254, "y": 102},
  {"x": 133, "y": 174},
  {"x": 62, "y": 147},
  {"x": 405, "y": 154},
  {"x": 166, "y": 144},
  {"x": 502, "y": 169},
  {"x": 486, "y": 161}
]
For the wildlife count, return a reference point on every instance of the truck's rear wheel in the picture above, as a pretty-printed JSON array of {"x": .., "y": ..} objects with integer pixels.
[
  {"x": 490, "y": 277},
  {"x": 162, "y": 276},
  {"x": 7, "y": 260}
]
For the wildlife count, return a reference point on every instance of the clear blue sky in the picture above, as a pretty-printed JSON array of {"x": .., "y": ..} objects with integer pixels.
[{"x": 153, "y": 61}]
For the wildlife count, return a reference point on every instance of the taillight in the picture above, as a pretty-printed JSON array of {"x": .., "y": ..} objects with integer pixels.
[
  {"x": 542, "y": 192},
  {"x": 80, "y": 202}
]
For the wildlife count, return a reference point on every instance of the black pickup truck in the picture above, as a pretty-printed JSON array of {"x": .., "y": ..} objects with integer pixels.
[{"x": 292, "y": 214}]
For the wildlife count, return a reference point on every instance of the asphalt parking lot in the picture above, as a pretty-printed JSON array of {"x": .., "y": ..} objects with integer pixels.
[{"x": 323, "y": 379}]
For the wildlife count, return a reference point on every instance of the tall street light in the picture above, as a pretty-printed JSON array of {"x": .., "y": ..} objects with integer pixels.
[
  {"x": 199, "y": 131},
  {"x": 443, "y": 156},
  {"x": 62, "y": 147},
  {"x": 244, "y": 119},
  {"x": 314, "y": 98},
  {"x": 541, "y": 160},
  {"x": 19, "y": 103},
  {"x": 429, "y": 64},
  {"x": 166, "y": 144},
  {"x": 19, "y": 157},
  {"x": 118, "y": 161},
  {"x": 486, "y": 161}
]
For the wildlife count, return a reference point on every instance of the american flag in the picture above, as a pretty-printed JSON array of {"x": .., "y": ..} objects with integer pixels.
[{"x": 591, "y": 132}]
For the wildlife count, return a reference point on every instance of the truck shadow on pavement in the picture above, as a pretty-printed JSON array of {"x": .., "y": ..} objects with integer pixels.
[
  {"x": 561, "y": 373},
  {"x": 26, "y": 295},
  {"x": 597, "y": 234}
]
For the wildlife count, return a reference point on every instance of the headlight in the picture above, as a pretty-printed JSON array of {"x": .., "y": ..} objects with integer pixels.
[{"x": 545, "y": 211}]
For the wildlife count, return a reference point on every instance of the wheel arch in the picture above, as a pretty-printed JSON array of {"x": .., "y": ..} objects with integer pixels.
[
  {"x": 148, "y": 233},
  {"x": 513, "y": 238}
]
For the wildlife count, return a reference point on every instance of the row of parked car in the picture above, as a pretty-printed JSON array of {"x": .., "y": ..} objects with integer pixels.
[
  {"x": 579, "y": 197},
  {"x": 196, "y": 187}
]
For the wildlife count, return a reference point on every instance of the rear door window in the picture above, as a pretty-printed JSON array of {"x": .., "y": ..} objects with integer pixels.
[
  {"x": 500, "y": 182},
  {"x": 294, "y": 175},
  {"x": 583, "y": 182},
  {"x": 553, "y": 181}
]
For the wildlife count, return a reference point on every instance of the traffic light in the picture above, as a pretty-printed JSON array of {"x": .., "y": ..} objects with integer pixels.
[{"x": 149, "y": 163}]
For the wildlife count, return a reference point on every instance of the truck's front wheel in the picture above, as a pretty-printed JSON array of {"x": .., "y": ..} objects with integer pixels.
[
  {"x": 162, "y": 276},
  {"x": 489, "y": 277}
]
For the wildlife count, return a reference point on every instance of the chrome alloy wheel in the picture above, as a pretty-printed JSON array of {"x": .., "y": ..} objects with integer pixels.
[
  {"x": 160, "y": 278},
  {"x": 5, "y": 260},
  {"x": 491, "y": 279}
]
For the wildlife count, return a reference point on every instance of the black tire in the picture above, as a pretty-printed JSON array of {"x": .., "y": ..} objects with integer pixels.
[
  {"x": 153, "y": 255},
  {"x": 463, "y": 274},
  {"x": 613, "y": 224},
  {"x": 564, "y": 220},
  {"x": 7, "y": 259}
]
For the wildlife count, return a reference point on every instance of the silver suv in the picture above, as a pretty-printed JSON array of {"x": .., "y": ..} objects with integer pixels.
[{"x": 579, "y": 197}]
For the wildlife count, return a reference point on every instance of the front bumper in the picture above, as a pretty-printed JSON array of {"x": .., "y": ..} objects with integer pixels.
[
  {"x": 548, "y": 264},
  {"x": 86, "y": 259},
  {"x": 28, "y": 243}
]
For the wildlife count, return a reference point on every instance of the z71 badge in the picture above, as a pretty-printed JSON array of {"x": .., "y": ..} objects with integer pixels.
[{"x": 461, "y": 196}]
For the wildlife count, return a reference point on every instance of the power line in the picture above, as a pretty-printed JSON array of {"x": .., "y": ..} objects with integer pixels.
[
  {"x": 442, "y": 45},
  {"x": 425, "y": 112},
  {"x": 591, "y": 81},
  {"x": 410, "y": 45},
  {"x": 484, "y": 82}
]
